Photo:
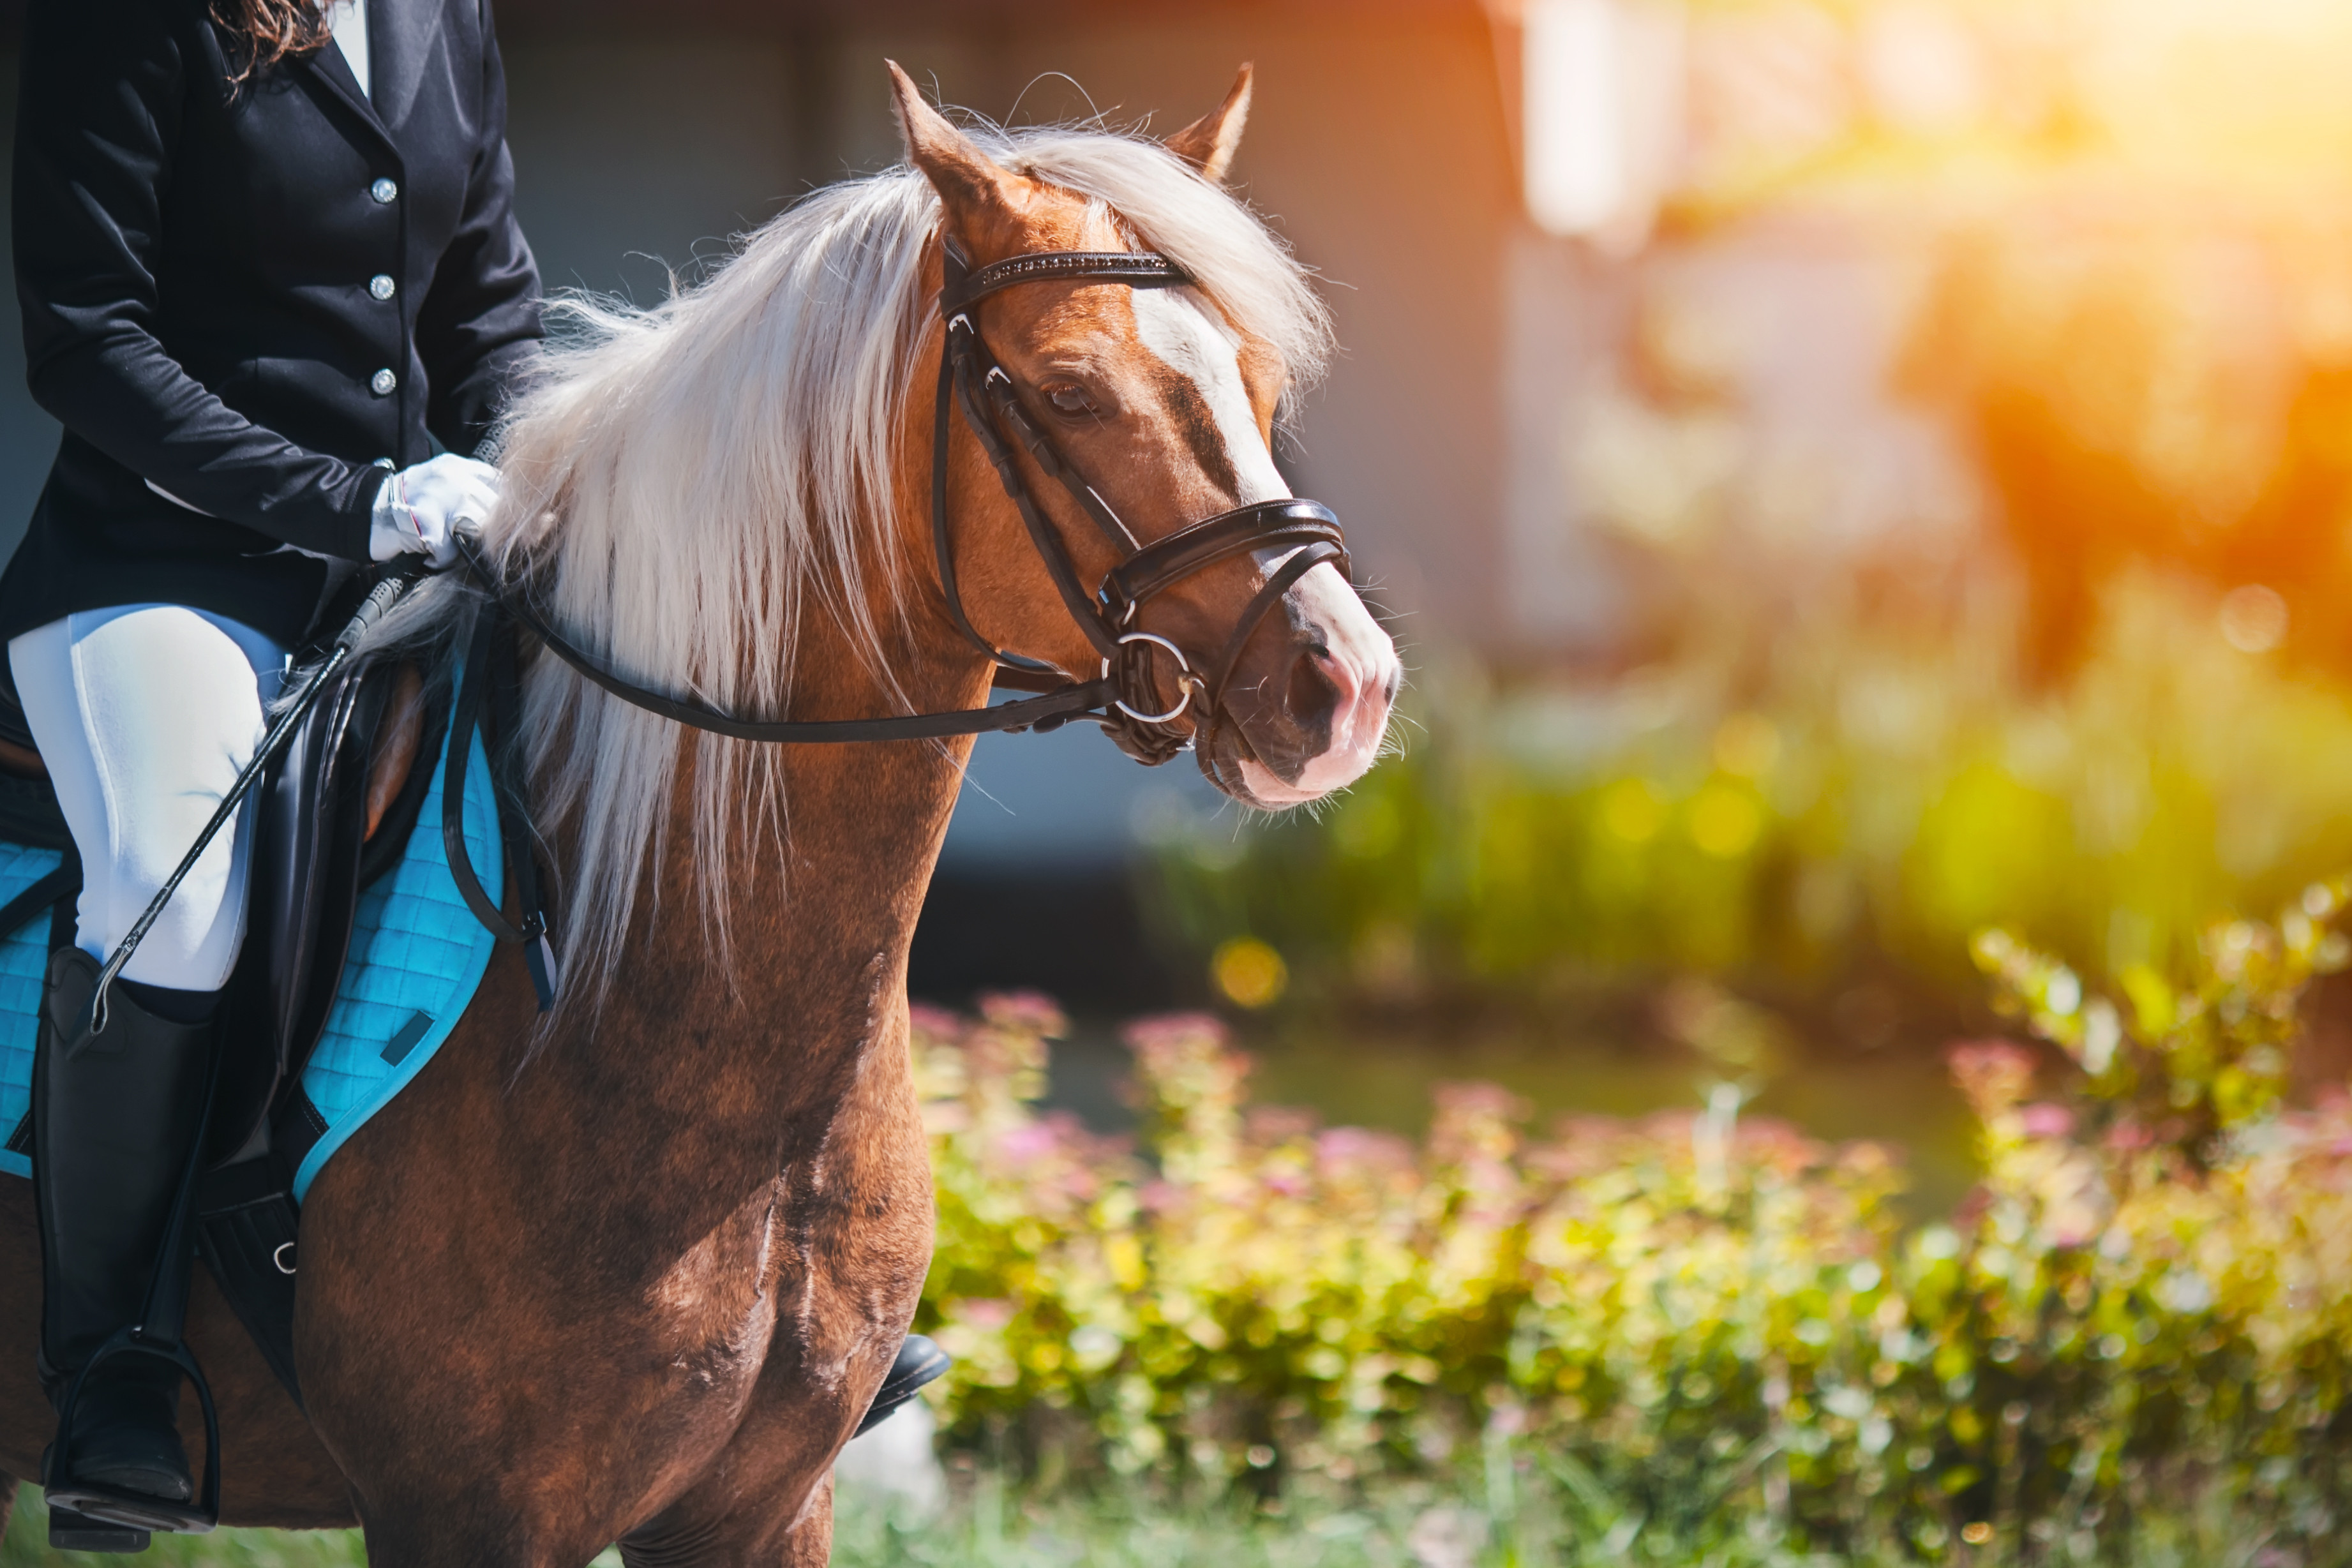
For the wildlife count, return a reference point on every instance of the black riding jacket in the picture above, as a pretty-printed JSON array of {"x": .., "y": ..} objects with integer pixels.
[{"x": 255, "y": 298}]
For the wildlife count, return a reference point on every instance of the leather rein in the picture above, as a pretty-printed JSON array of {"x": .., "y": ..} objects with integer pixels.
[{"x": 1120, "y": 697}]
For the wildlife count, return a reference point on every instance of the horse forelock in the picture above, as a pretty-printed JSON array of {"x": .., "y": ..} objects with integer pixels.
[{"x": 684, "y": 481}]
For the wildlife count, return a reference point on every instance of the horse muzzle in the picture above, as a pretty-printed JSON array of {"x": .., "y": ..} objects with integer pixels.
[{"x": 1308, "y": 701}]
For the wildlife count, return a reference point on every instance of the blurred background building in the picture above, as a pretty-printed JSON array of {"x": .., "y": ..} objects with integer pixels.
[{"x": 1816, "y": 370}]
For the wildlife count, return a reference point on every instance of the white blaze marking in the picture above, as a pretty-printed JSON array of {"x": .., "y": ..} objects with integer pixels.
[{"x": 1195, "y": 343}]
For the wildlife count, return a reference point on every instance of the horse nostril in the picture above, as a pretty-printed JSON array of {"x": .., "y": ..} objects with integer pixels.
[{"x": 1313, "y": 696}]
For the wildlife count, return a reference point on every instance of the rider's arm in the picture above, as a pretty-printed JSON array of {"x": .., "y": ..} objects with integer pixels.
[
  {"x": 97, "y": 117},
  {"x": 480, "y": 319}
]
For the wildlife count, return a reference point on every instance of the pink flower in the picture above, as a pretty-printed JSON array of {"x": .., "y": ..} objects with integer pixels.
[
  {"x": 1031, "y": 1012},
  {"x": 1339, "y": 1148},
  {"x": 1271, "y": 1125},
  {"x": 988, "y": 1315},
  {"x": 2044, "y": 1120},
  {"x": 1994, "y": 1074},
  {"x": 935, "y": 1022},
  {"x": 1028, "y": 1142},
  {"x": 1175, "y": 1032},
  {"x": 1482, "y": 1099}
]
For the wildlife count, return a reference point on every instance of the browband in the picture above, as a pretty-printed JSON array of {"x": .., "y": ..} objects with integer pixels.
[{"x": 1138, "y": 269}]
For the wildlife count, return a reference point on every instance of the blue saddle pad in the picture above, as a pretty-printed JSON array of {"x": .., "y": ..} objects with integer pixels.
[{"x": 417, "y": 955}]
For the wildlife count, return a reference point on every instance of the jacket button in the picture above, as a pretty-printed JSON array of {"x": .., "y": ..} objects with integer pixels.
[
  {"x": 382, "y": 383},
  {"x": 383, "y": 191},
  {"x": 381, "y": 286}
]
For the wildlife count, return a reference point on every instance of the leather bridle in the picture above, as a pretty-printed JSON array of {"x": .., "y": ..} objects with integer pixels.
[
  {"x": 969, "y": 372},
  {"x": 1122, "y": 697}
]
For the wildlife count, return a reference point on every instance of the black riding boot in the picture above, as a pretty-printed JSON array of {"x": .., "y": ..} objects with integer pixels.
[
  {"x": 918, "y": 1361},
  {"x": 117, "y": 1120}
]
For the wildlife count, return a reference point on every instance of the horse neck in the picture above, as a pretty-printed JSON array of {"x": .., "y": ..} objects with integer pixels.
[{"x": 814, "y": 978}]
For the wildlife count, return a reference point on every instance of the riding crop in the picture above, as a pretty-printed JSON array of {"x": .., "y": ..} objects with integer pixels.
[{"x": 380, "y": 599}]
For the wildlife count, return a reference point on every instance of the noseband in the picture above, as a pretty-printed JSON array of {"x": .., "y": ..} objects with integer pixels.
[{"x": 1122, "y": 697}]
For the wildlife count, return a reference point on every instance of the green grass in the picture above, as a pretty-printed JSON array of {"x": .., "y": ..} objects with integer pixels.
[
  {"x": 1514, "y": 1524},
  {"x": 26, "y": 1546}
]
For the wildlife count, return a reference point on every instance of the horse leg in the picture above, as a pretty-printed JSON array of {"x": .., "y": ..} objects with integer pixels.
[
  {"x": 805, "y": 1543},
  {"x": 809, "y": 1542},
  {"x": 860, "y": 1243},
  {"x": 462, "y": 1531},
  {"x": 766, "y": 1501}
]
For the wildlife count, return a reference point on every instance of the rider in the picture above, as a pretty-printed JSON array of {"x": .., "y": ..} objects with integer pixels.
[{"x": 274, "y": 290}]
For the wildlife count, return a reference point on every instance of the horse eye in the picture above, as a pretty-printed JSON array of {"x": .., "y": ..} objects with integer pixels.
[{"x": 1070, "y": 400}]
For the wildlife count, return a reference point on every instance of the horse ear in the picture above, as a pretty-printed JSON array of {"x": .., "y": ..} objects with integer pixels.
[
  {"x": 969, "y": 182},
  {"x": 1208, "y": 143}
]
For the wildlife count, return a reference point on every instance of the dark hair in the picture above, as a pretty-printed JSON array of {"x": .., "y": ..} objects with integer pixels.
[{"x": 270, "y": 31}]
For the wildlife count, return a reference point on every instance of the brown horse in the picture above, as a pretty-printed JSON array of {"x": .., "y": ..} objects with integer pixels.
[{"x": 633, "y": 1273}]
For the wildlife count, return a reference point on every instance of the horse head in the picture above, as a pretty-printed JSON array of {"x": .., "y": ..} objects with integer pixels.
[{"x": 1127, "y": 409}]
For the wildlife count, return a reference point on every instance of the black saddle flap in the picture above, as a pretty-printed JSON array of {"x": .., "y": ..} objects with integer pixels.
[{"x": 308, "y": 834}]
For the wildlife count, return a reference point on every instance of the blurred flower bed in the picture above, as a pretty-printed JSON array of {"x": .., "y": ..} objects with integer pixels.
[
  {"x": 1791, "y": 802},
  {"x": 1690, "y": 1328}
]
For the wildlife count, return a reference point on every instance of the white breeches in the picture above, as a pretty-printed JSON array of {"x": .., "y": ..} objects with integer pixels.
[{"x": 145, "y": 714}]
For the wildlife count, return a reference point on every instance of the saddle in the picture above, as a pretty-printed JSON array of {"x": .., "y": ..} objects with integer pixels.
[{"x": 332, "y": 815}]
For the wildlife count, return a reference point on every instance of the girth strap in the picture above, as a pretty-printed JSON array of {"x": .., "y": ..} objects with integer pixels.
[{"x": 46, "y": 890}]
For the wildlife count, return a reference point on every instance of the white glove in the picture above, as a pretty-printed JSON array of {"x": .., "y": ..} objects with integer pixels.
[{"x": 419, "y": 508}]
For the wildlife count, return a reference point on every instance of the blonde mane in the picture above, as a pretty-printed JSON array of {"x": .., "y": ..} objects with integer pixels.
[{"x": 685, "y": 482}]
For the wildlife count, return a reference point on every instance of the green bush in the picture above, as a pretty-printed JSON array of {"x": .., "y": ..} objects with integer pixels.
[
  {"x": 1686, "y": 1337},
  {"x": 1718, "y": 1325},
  {"x": 1792, "y": 804}
]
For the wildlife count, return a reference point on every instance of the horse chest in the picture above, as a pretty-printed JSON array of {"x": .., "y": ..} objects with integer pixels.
[{"x": 713, "y": 1308}]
